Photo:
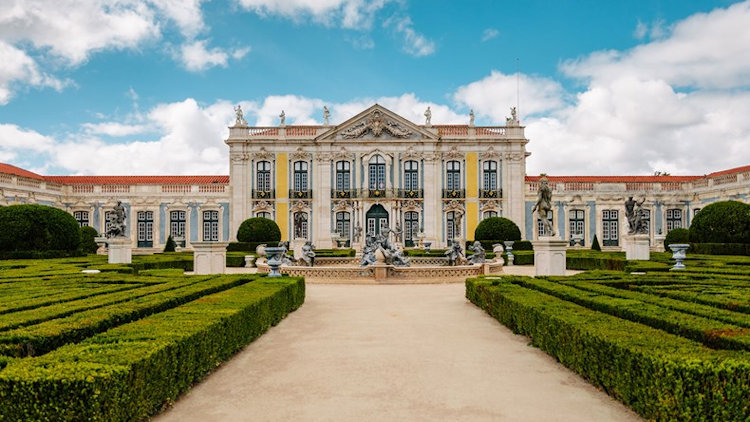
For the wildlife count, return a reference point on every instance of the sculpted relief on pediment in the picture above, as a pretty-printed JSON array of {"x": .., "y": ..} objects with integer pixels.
[{"x": 374, "y": 125}]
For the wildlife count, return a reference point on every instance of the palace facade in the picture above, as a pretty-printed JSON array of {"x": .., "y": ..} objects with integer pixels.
[{"x": 377, "y": 170}]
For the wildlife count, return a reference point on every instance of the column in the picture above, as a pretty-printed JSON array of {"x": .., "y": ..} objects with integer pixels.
[
  {"x": 321, "y": 203},
  {"x": 433, "y": 206}
]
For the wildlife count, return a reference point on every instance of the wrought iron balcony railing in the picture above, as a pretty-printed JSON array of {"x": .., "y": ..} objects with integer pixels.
[
  {"x": 490, "y": 193},
  {"x": 377, "y": 193},
  {"x": 454, "y": 193},
  {"x": 264, "y": 194},
  {"x": 300, "y": 194},
  {"x": 410, "y": 193},
  {"x": 343, "y": 193}
]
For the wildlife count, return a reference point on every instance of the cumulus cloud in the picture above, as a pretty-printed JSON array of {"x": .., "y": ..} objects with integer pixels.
[
  {"x": 113, "y": 129},
  {"x": 197, "y": 57},
  {"x": 16, "y": 67},
  {"x": 415, "y": 43}
]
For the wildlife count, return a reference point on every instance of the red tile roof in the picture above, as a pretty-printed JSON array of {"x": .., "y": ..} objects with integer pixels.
[
  {"x": 730, "y": 171},
  {"x": 616, "y": 179},
  {"x": 139, "y": 180},
  {"x": 17, "y": 171}
]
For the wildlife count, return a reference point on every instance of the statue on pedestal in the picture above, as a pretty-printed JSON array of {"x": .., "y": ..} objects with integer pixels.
[
  {"x": 455, "y": 254},
  {"x": 428, "y": 117},
  {"x": 239, "y": 117},
  {"x": 326, "y": 116},
  {"x": 308, "y": 255},
  {"x": 479, "y": 254},
  {"x": 117, "y": 221},
  {"x": 282, "y": 118},
  {"x": 634, "y": 215},
  {"x": 544, "y": 205}
]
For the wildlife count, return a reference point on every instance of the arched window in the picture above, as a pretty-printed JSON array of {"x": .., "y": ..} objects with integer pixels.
[
  {"x": 450, "y": 225},
  {"x": 411, "y": 175},
  {"x": 343, "y": 176},
  {"x": 376, "y": 170},
  {"x": 177, "y": 226},
  {"x": 489, "y": 175},
  {"x": 300, "y": 225},
  {"x": 453, "y": 175},
  {"x": 300, "y": 176},
  {"x": 264, "y": 176},
  {"x": 646, "y": 219}
]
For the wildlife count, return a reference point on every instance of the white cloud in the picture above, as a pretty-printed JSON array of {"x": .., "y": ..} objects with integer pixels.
[
  {"x": 415, "y": 43},
  {"x": 196, "y": 57},
  {"x": 706, "y": 50},
  {"x": 14, "y": 138},
  {"x": 493, "y": 95},
  {"x": 489, "y": 34},
  {"x": 16, "y": 67},
  {"x": 640, "y": 31},
  {"x": 349, "y": 14},
  {"x": 113, "y": 129}
]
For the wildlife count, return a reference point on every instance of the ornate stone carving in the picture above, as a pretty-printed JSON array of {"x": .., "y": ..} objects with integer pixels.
[
  {"x": 300, "y": 155},
  {"x": 454, "y": 205},
  {"x": 514, "y": 156},
  {"x": 342, "y": 154},
  {"x": 412, "y": 205},
  {"x": 299, "y": 206},
  {"x": 490, "y": 206},
  {"x": 339, "y": 206},
  {"x": 412, "y": 154},
  {"x": 490, "y": 154},
  {"x": 376, "y": 124},
  {"x": 453, "y": 154},
  {"x": 238, "y": 157},
  {"x": 262, "y": 206},
  {"x": 262, "y": 154}
]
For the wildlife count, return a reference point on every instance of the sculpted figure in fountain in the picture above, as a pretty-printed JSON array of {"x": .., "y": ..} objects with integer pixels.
[
  {"x": 308, "y": 255},
  {"x": 479, "y": 254},
  {"x": 455, "y": 254}
]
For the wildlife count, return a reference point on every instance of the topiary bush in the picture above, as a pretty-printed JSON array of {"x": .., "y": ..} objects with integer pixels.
[
  {"x": 595, "y": 245},
  {"x": 88, "y": 244},
  {"x": 722, "y": 222},
  {"x": 171, "y": 245},
  {"x": 497, "y": 229},
  {"x": 676, "y": 236},
  {"x": 38, "y": 228},
  {"x": 258, "y": 229}
]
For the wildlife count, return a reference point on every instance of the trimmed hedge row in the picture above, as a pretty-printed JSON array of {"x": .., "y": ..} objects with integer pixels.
[
  {"x": 247, "y": 246},
  {"x": 129, "y": 372},
  {"x": 712, "y": 333},
  {"x": 46, "y": 336},
  {"x": 20, "y": 299},
  {"x": 742, "y": 249},
  {"x": 698, "y": 297},
  {"x": 659, "y": 375},
  {"x": 334, "y": 253}
]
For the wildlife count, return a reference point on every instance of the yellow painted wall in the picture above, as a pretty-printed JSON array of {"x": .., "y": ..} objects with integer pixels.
[
  {"x": 472, "y": 194},
  {"x": 282, "y": 195}
]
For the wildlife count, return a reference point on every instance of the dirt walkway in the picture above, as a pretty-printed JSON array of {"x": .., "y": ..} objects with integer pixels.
[{"x": 393, "y": 353}]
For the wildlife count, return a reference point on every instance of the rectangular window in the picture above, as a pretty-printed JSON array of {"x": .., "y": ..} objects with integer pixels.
[
  {"x": 177, "y": 226},
  {"x": 411, "y": 227},
  {"x": 145, "y": 223},
  {"x": 577, "y": 224},
  {"x": 82, "y": 217},
  {"x": 211, "y": 226},
  {"x": 450, "y": 225},
  {"x": 343, "y": 224},
  {"x": 674, "y": 219},
  {"x": 610, "y": 228},
  {"x": 370, "y": 226}
]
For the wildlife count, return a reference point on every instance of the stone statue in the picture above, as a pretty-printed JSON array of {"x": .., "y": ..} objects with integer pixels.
[
  {"x": 397, "y": 257},
  {"x": 326, "y": 116},
  {"x": 117, "y": 221},
  {"x": 308, "y": 255},
  {"x": 544, "y": 205},
  {"x": 471, "y": 117},
  {"x": 428, "y": 117},
  {"x": 455, "y": 254},
  {"x": 239, "y": 117},
  {"x": 513, "y": 114},
  {"x": 286, "y": 259},
  {"x": 357, "y": 232},
  {"x": 282, "y": 117},
  {"x": 457, "y": 225},
  {"x": 479, "y": 254},
  {"x": 634, "y": 215},
  {"x": 299, "y": 218},
  {"x": 368, "y": 253},
  {"x": 392, "y": 254}
]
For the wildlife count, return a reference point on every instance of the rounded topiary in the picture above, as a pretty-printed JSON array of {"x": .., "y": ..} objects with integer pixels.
[
  {"x": 722, "y": 222},
  {"x": 676, "y": 236},
  {"x": 88, "y": 244},
  {"x": 37, "y": 228},
  {"x": 258, "y": 229},
  {"x": 497, "y": 229}
]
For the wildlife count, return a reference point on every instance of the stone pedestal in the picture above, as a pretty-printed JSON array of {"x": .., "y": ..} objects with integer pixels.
[
  {"x": 249, "y": 261},
  {"x": 101, "y": 242},
  {"x": 296, "y": 246},
  {"x": 549, "y": 256},
  {"x": 659, "y": 242},
  {"x": 209, "y": 257},
  {"x": 636, "y": 247},
  {"x": 120, "y": 250},
  {"x": 381, "y": 272}
]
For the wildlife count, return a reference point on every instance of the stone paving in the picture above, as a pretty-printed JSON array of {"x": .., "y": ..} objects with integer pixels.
[{"x": 393, "y": 352}]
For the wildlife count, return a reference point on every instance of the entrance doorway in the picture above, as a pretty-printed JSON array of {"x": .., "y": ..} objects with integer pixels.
[{"x": 376, "y": 219}]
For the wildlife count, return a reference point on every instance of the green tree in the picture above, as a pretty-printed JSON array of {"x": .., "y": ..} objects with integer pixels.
[{"x": 258, "y": 229}]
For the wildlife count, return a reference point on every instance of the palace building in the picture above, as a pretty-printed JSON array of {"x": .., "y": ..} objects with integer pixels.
[{"x": 333, "y": 183}]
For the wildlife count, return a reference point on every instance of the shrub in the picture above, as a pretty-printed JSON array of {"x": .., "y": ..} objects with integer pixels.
[
  {"x": 498, "y": 229},
  {"x": 37, "y": 228},
  {"x": 722, "y": 222},
  {"x": 523, "y": 245},
  {"x": 171, "y": 245},
  {"x": 721, "y": 248},
  {"x": 88, "y": 244},
  {"x": 679, "y": 235},
  {"x": 258, "y": 229},
  {"x": 595, "y": 245},
  {"x": 247, "y": 246}
]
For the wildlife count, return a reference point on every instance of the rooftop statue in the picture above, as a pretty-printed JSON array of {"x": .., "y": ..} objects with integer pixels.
[
  {"x": 282, "y": 117},
  {"x": 471, "y": 117},
  {"x": 428, "y": 117},
  {"x": 326, "y": 116},
  {"x": 544, "y": 205},
  {"x": 239, "y": 117}
]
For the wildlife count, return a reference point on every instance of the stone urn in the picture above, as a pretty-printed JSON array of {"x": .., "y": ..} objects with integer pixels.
[
  {"x": 678, "y": 254},
  {"x": 509, "y": 250},
  {"x": 427, "y": 246},
  {"x": 274, "y": 259}
]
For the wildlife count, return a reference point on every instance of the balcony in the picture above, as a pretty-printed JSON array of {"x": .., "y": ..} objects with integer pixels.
[
  {"x": 491, "y": 193},
  {"x": 343, "y": 193},
  {"x": 454, "y": 193},
  {"x": 410, "y": 193},
  {"x": 300, "y": 194},
  {"x": 264, "y": 194},
  {"x": 377, "y": 193}
]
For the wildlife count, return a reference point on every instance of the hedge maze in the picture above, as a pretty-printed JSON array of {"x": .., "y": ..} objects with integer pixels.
[
  {"x": 672, "y": 346},
  {"x": 120, "y": 344}
]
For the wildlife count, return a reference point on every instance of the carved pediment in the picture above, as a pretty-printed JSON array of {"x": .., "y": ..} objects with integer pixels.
[
  {"x": 377, "y": 122},
  {"x": 300, "y": 155},
  {"x": 490, "y": 154},
  {"x": 453, "y": 154},
  {"x": 262, "y": 154},
  {"x": 342, "y": 154}
]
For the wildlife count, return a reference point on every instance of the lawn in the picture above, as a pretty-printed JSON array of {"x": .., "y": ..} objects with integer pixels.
[
  {"x": 671, "y": 345},
  {"x": 120, "y": 344}
]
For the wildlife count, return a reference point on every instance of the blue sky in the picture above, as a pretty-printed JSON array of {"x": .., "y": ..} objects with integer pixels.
[{"x": 147, "y": 87}]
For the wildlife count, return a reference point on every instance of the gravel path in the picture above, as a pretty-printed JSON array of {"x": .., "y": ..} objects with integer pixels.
[{"x": 393, "y": 352}]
